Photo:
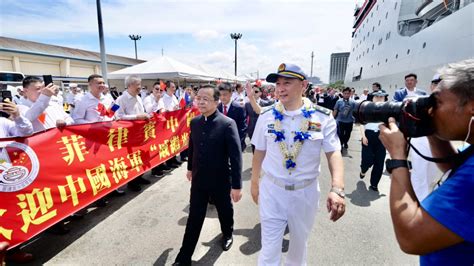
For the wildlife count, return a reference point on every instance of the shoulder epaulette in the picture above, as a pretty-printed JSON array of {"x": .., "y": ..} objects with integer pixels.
[
  {"x": 321, "y": 109},
  {"x": 266, "y": 109}
]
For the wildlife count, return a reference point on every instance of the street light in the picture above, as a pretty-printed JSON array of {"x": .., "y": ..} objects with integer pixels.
[
  {"x": 235, "y": 36},
  {"x": 103, "y": 59},
  {"x": 135, "y": 38}
]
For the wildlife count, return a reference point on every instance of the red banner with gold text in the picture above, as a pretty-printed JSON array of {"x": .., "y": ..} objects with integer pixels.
[{"x": 46, "y": 177}]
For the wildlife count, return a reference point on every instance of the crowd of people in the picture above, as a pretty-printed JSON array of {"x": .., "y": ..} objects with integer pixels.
[{"x": 289, "y": 123}]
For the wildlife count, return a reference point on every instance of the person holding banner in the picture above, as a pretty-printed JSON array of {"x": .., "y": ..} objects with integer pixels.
[
  {"x": 214, "y": 169},
  {"x": 131, "y": 108},
  {"x": 37, "y": 107},
  {"x": 90, "y": 108},
  {"x": 171, "y": 103}
]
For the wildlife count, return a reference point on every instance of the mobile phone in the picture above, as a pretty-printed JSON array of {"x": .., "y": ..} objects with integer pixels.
[
  {"x": 47, "y": 79},
  {"x": 4, "y": 95}
]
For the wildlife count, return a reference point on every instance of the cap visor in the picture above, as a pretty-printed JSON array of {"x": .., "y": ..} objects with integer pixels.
[{"x": 273, "y": 77}]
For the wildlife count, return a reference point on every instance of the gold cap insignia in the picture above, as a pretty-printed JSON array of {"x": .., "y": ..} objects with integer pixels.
[{"x": 281, "y": 68}]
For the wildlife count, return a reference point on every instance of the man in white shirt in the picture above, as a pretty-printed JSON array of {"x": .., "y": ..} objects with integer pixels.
[
  {"x": 238, "y": 95},
  {"x": 90, "y": 108},
  {"x": 364, "y": 94},
  {"x": 18, "y": 126},
  {"x": 57, "y": 97},
  {"x": 37, "y": 107},
  {"x": 154, "y": 102},
  {"x": 169, "y": 99},
  {"x": 131, "y": 108},
  {"x": 108, "y": 99}
]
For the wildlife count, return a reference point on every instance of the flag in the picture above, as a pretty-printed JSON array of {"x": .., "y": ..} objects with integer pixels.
[
  {"x": 182, "y": 102},
  {"x": 112, "y": 110},
  {"x": 162, "y": 85}
]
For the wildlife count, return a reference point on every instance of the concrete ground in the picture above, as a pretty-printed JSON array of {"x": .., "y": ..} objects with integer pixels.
[{"x": 146, "y": 228}]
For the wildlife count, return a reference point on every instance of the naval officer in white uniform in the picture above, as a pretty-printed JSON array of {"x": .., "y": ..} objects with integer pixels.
[{"x": 288, "y": 139}]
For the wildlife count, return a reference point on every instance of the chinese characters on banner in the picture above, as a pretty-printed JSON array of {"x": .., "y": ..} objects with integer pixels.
[{"x": 50, "y": 175}]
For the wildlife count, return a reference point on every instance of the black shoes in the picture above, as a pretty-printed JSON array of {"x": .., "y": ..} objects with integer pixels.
[
  {"x": 227, "y": 243},
  {"x": 179, "y": 263},
  {"x": 361, "y": 175},
  {"x": 134, "y": 186},
  {"x": 374, "y": 188},
  {"x": 143, "y": 181}
]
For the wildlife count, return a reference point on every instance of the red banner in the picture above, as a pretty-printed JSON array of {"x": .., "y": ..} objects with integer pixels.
[{"x": 50, "y": 175}]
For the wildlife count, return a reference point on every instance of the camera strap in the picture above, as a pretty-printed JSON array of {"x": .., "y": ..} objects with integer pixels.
[{"x": 458, "y": 158}]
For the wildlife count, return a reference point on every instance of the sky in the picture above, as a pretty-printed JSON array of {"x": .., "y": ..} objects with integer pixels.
[{"x": 193, "y": 31}]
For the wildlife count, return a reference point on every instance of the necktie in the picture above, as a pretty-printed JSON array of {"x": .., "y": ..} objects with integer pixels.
[{"x": 225, "y": 110}]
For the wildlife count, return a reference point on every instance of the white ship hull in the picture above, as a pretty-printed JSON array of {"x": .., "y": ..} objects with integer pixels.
[{"x": 448, "y": 40}]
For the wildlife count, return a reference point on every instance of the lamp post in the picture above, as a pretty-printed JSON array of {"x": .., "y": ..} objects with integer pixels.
[
  {"x": 235, "y": 37},
  {"x": 103, "y": 58},
  {"x": 312, "y": 59},
  {"x": 135, "y": 38}
]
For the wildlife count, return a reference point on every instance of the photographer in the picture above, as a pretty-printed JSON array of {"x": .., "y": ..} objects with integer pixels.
[{"x": 440, "y": 228}]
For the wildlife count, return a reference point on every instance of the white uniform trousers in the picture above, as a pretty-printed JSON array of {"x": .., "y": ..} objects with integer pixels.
[{"x": 279, "y": 208}]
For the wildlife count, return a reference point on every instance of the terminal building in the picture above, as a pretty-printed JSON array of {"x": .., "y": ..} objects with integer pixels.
[
  {"x": 65, "y": 64},
  {"x": 338, "y": 67}
]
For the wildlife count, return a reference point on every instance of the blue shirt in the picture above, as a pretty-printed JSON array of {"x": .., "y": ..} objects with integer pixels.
[
  {"x": 344, "y": 110},
  {"x": 452, "y": 205}
]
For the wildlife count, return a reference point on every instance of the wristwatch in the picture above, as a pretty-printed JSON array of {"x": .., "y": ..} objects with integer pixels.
[
  {"x": 338, "y": 191},
  {"x": 392, "y": 164}
]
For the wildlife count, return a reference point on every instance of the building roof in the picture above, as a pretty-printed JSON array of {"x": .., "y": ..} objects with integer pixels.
[{"x": 35, "y": 48}]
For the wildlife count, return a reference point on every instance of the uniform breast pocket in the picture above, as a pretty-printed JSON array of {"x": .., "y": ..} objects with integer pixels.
[
  {"x": 315, "y": 138},
  {"x": 270, "y": 134}
]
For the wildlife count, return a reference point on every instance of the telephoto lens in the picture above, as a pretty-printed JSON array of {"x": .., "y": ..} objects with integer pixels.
[{"x": 413, "y": 114}]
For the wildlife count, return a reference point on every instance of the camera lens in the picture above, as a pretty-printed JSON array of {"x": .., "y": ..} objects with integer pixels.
[{"x": 370, "y": 112}]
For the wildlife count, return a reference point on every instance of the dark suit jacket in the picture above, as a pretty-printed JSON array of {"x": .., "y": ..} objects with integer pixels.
[
  {"x": 329, "y": 101},
  {"x": 252, "y": 116},
  {"x": 215, "y": 157},
  {"x": 237, "y": 113},
  {"x": 370, "y": 96}
]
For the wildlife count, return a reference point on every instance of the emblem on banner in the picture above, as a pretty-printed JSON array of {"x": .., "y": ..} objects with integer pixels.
[{"x": 19, "y": 166}]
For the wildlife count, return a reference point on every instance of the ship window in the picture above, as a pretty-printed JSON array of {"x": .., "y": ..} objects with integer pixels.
[
  {"x": 372, "y": 66},
  {"x": 424, "y": 45},
  {"x": 367, "y": 20},
  {"x": 373, "y": 45},
  {"x": 396, "y": 86},
  {"x": 373, "y": 28},
  {"x": 388, "y": 36},
  {"x": 372, "y": 15},
  {"x": 386, "y": 15},
  {"x": 367, "y": 50},
  {"x": 396, "y": 3},
  {"x": 377, "y": 7},
  {"x": 363, "y": 39},
  {"x": 386, "y": 60},
  {"x": 396, "y": 56},
  {"x": 368, "y": 33},
  {"x": 378, "y": 63},
  {"x": 390, "y": 86},
  {"x": 380, "y": 41},
  {"x": 408, "y": 51},
  {"x": 379, "y": 22}
]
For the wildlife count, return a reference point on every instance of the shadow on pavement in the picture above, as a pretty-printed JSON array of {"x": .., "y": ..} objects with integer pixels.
[
  {"x": 163, "y": 257},
  {"x": 361, "y": 196},
  {"x": 47, "y": 245}
]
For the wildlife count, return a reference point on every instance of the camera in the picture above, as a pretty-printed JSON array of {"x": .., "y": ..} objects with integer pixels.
[{"x": 412, "y": 114}]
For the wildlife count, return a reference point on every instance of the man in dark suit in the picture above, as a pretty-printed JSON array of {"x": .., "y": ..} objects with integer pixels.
[
  {"x": 214, "y": 169},
  {"x": 233, "y": 110},
  {"x": 330, "y": 99},
  {"x": 376, "y": 87},
  {"x": 254, "y": 93}
]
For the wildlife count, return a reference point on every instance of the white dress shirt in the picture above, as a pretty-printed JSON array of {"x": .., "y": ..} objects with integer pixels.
[
  {"x": 43, "y": 114},
  {"x": 17, "y": 128},
  {"x": 87, "y": 110},
  {"x": 130, "y": 106},
  {"x": 151, "y": 105},
  {"x": 170, "y": 102}
]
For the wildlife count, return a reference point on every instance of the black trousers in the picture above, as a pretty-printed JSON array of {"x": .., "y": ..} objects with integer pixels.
[
  {"x": 344, "y": 131},
  {"x": 373, "y": 155},
  {"x": 197, "y": 214}
]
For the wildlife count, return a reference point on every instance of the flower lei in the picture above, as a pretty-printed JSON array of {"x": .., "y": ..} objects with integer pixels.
[{"x": 289, "y": 156}]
